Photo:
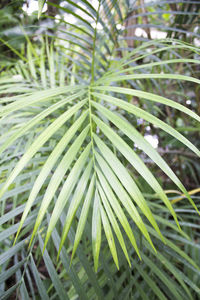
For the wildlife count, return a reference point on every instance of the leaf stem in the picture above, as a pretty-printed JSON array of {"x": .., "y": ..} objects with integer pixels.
[{"x": 94, "y": 43}]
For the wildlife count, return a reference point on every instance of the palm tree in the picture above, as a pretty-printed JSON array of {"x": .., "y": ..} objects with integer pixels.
[{"x": 73, "y": 173}]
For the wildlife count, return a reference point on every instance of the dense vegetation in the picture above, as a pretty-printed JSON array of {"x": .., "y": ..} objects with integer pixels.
[{"x": 99, "y": 159}]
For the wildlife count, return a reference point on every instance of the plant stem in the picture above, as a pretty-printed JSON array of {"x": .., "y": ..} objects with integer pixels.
[{"x": 94, "y": 44}]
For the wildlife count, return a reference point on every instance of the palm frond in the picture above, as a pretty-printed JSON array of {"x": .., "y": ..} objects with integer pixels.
[{"x": 66, "y": 156}]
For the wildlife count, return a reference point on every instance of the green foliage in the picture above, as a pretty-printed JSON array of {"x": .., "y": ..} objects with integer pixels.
[{"x": 74, "y": 181}]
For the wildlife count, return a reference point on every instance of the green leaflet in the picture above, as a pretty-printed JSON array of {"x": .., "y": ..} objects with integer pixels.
[
  {"x": 136, "y": 162},
  {"x": 83, "y": 216},
  {"x": 66, "y": 190},
  {"x": 53, "y": 157},
  {"x": 96, "y": 230},
  {"x": 149, "y": 96},
  {"x": 75, "y": 202},
  {"x": 115, "y": 226},
  {"x": 126, "y": 180},
  {"x": 43, "y": 137},
  {"x": 40, "y": 7},
  {"x": 57, "y": 177},
  {"x": 138, "y": 139}
]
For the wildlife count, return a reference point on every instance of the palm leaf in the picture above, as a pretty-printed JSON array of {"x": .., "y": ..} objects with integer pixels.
[{"x": 79, "y": 146}]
